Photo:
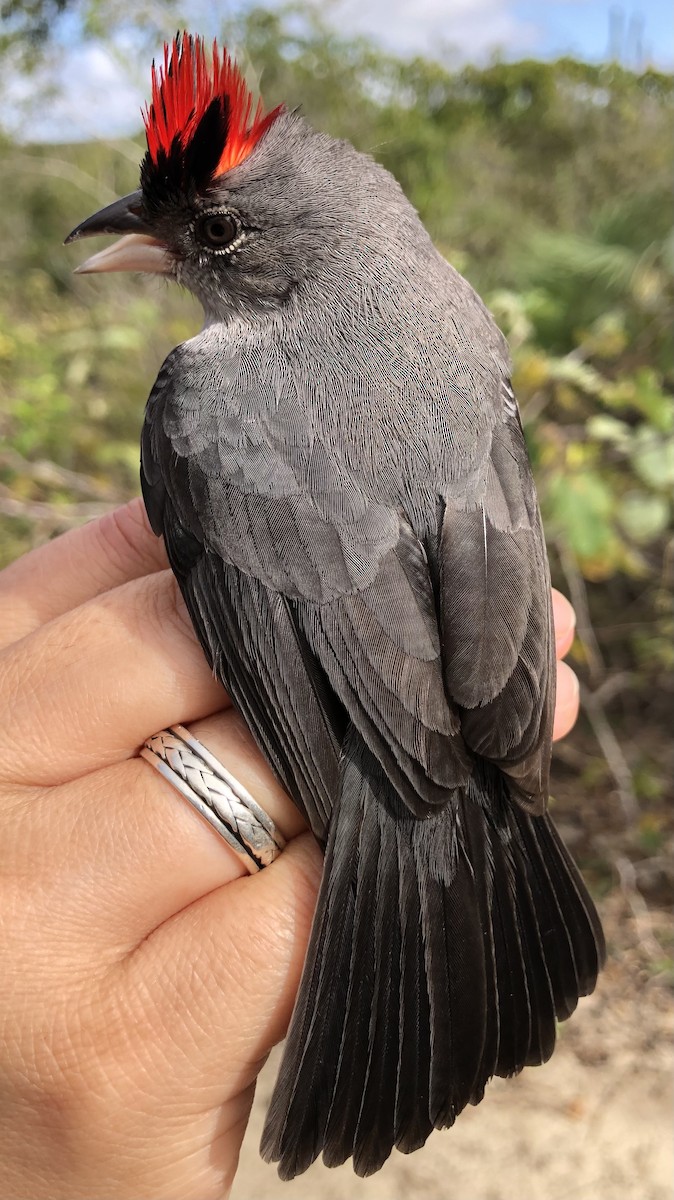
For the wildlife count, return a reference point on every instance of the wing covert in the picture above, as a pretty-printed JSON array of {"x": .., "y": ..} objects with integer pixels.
[{"x": 497, "y": 619}]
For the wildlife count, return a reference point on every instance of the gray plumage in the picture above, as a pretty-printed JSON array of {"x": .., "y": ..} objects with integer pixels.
[{"x": 337, "y": 466}]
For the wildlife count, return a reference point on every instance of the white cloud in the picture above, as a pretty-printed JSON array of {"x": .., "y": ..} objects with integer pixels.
[
  {"x": 86, "y": 93},
  {"x": 468, "y": 29}
]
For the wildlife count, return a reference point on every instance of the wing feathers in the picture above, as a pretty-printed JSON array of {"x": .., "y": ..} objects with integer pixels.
[
  {"x": 263, "y": 660},
  {"x": 497, "y": 620},
  {"x": 487, "y": 593}
]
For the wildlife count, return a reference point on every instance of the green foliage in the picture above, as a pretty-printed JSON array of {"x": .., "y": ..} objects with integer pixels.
[{"x": 602, "y": 438}]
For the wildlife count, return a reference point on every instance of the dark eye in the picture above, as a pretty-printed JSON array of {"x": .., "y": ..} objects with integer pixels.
[{"x": 217, "y": 230}]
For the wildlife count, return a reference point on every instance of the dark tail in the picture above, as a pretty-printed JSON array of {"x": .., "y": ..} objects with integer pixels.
[{"x": 442, "y": 952}]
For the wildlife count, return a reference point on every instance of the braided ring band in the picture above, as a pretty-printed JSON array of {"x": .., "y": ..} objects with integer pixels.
[{"x": 208, "y": 786}]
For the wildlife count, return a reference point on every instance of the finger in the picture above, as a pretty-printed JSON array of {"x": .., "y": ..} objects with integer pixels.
[
  {"x": 564, "y": 617},
  {"x": 126, "y": 849},
  {"x": 85, "y": 690},
  {"x": 222, "y": 975},
  {"x": 72, "y": 569},
  {"x": 568, "y": 701}
]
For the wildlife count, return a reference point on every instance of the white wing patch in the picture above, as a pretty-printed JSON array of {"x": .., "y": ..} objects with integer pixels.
[{"x": 509, "y": 401}]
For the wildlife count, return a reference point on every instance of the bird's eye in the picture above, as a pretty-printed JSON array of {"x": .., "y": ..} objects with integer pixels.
[{"x": 217, "y": 230}]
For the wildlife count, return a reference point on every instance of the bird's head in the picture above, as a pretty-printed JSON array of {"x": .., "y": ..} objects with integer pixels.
[{"x": 239, "y": 207}]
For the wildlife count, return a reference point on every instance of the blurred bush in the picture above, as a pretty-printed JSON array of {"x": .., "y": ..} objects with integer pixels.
[{"x": 548, "y": 185}]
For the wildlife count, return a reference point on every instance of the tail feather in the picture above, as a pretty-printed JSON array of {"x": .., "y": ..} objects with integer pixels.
[
  {"x": 412, "y": 1123},
  {"x": 443, "y": 952},
  {"x": 555, "y": 927},
  {"x": 512, "y": 997},
  {"x": 455, "y": 972},
  {"x": 541, "y": 1003},
  {"x": 303, "y": 1093},
  {"x": 534, "y": 1010},
  {"x": 360, "y": 1014},
  {"x": 580, "y": 917},
  {"x": 377, "y": 1107}
]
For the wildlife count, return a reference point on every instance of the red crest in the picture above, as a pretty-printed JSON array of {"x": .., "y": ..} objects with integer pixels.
[{"x": 185, "y": 86}]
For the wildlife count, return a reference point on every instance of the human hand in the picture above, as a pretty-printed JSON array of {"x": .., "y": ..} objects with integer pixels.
[
  {"x": 143, "y": 975},
  {"x": 568, "y": 690}
]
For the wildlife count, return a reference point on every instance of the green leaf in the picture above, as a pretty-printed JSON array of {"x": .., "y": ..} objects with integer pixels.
[
  {"x": 652, "y": 401},
  {"x": 609, "y": 429},
  {"x": 581, "y": 374},
  {"x": 580, "y": 507},
  {"x": 653, "y": 459},
  {"x": 643, "y": 516}
]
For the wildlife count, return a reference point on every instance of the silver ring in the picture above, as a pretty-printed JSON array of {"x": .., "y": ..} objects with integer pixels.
[{"x": 209, "y": 787}]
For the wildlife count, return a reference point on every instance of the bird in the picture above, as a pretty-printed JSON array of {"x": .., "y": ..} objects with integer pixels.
[{"x": 337, "y": 466}]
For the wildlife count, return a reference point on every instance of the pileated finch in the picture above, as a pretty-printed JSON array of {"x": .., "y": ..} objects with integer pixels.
[{"x": 336, "y": 464}]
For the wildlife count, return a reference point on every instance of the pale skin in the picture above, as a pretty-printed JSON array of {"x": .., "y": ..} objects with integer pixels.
[{"x": 144, "y": 975}]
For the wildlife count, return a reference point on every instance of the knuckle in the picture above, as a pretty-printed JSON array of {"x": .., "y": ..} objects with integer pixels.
[
  {"x": 128, "y": 614},
  {"x": 160, "y": 602},
  {"x": 125, "y": 537}
]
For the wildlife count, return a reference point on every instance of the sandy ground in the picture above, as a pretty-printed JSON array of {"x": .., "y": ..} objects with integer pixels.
[{"x": 595, "y": 1123}]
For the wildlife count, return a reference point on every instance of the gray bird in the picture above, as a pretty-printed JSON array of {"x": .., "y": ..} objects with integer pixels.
[{"x": 337, "y": 467}]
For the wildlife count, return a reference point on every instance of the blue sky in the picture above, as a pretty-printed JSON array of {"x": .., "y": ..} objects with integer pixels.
[
  {"x": 585, "y": 28},
  {"x": 100, "y": 94},
  {"x": 473, "y": 28}
]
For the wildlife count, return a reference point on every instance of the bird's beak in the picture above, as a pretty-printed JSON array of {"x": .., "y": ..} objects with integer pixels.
[{"x": 137, "y": 251}]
